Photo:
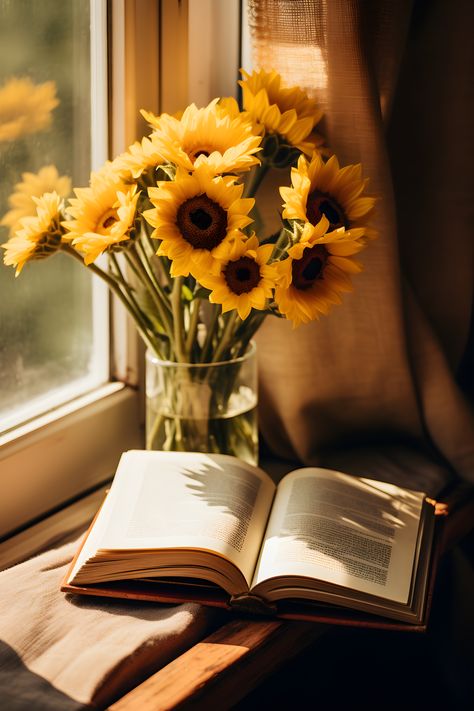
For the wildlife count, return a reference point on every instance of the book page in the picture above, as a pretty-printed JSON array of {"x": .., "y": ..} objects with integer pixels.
[
  {"x": 185, "y": 500},
  {"x": 343, "y": 530}
]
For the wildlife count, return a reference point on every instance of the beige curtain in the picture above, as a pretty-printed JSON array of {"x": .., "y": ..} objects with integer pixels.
[{"x": 388, "y": 371}]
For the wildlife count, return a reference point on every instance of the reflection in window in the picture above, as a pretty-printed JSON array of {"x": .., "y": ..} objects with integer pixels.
[{"x": 53, "y": 331}]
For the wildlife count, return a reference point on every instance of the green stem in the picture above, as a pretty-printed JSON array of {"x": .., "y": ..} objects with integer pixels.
[
  {"x": 161, "y": 266},
  {"x": 207, "y": 347},
  {"x": 141, "y": 251},
  {"x": 226, "y": 337},
  {"x": 111, "y": 282},
  {"x": 149, "y": 241},
  {"x": 139, "y": 276},
  {"x": 139, "y": 316},
  {"x": 148, "y": 254},
  {"x": 150, "y": 436},
  {"x": 165, "y": 266},
  {"x": 114, "y": 286},
  {"x": 178, "y": 321},
  {"x": 131, "y": 264},
  {"x": 163, "y": 309},
  {"x": 193, "y": 324}
]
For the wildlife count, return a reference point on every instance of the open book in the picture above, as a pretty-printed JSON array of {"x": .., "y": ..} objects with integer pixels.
[{"x": 211, "y": 528}]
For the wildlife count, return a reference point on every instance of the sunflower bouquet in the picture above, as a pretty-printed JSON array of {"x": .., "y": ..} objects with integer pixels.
[{"x": 176, "y": 216}]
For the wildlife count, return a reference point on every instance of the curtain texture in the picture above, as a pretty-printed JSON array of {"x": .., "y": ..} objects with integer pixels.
[{"x": 392, "y": 366}]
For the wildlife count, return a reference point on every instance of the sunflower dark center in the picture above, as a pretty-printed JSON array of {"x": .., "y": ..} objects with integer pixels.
[
  {"x": 319, "y": 204},
  {"x": 109, "y": 222},
  {"x": 202, "y": 222},
  {"x": 106, "y": 221},
  {"x": 201, "y": 219},
  {"x": 242, "y": 275},
  {"x": 309, "y": 268},
  {"x": 201, "y": 153}
]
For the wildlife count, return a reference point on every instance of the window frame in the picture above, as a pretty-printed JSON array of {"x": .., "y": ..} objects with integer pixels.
[{"x": 66, "y": 452}]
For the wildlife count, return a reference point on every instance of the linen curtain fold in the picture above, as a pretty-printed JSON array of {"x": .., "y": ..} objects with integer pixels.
[{"x": 395, "y": 81}]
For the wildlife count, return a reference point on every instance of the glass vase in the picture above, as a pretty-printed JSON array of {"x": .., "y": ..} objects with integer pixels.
[{"x": 204, "y": 407}]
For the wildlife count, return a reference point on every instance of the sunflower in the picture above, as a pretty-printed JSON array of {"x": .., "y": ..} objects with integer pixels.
[
  {"x": 214, "y": 136},
  {"x": 228, "y": 106},
  {"x": 139, "y": 158},
  {"x": 325, "y": 190},
  {"x": 287, "y": 112},
  {"x": 317, "y": 271},
  {"x": 154, "y": 121},
  {"x": 245, "y": 279},
  {"x": 104, "y": 216},
  {"x": 195, "y": 216},
  {"x": 25, "y": 107},
  {"x": 39, "y": 236},
  {"x": 33, "y": 185}
]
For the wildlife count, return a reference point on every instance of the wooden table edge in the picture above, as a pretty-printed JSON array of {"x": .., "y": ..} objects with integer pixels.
[{"x": 223, "y": 668}]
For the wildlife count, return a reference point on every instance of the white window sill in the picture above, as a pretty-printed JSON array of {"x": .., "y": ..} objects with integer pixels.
[
  {"x": 71, "y": 450},
  {"x": 52, "y": 530}
]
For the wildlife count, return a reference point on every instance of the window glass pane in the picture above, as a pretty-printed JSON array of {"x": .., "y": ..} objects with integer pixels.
[{"x": 53, "y": 323}]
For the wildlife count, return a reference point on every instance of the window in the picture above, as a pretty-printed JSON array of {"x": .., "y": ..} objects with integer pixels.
[
  {"x": 63, "y": 419},
  {"x": 154, "y": 61},
  {"x": 54, "y": 318}
]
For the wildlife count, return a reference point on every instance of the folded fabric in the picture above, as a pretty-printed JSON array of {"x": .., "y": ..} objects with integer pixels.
[{"x": 68, "y": 652}]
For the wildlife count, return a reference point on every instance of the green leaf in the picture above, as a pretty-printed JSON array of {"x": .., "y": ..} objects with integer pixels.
[
  {"x": 167, "y": 171},
  {"x": 148, "y": 308},
  {"x": 186, "y": 293}
]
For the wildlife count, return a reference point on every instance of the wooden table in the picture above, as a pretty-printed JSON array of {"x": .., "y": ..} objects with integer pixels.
[{"x": 219, "y": 671}]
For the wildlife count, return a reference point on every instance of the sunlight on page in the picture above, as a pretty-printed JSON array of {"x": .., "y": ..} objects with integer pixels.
[
  {"x": 357, "y": 533},
  {"x": 182, "y": 500},
  {"x": 408, "y": 501}
]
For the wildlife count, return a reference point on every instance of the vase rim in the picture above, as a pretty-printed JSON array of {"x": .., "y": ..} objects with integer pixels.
[{"x": 251, "y": 350}]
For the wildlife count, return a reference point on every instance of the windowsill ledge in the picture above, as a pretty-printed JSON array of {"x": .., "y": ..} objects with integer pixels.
[{"x": 66, "y": 453}]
